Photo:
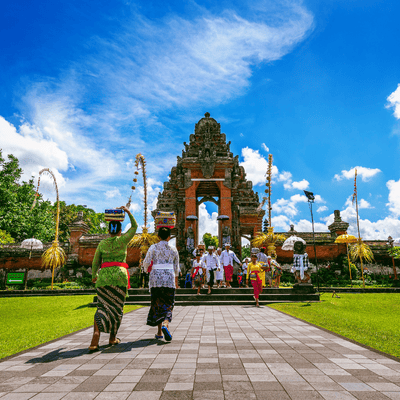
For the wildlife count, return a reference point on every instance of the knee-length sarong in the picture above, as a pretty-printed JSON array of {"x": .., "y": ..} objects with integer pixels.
[
  {"x": 257, "y": 287},
  {"x": 228, "y": 269},
  {"x": 162, "y": 304},
  {"x": 110, "y": 308}
]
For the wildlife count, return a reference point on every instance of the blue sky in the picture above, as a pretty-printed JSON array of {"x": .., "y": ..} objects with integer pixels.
[{"x": 88, "y": 85}]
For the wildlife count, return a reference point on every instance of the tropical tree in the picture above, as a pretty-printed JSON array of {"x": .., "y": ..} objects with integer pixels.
[
  {"x": 68, "y": 213},
  {"x": 5, "y": 237},
  {"x": 16, "y": 198},
  {"x": 210, "y": 240}
]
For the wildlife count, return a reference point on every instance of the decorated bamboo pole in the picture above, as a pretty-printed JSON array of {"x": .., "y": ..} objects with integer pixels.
[
  {"x": 54, "y": 256},
  {"x": 145, "y": 239},
  {"x": 358, "y": 222},
  {"x": 270, "y": 238},
  {"x": 268, "y": 190}
]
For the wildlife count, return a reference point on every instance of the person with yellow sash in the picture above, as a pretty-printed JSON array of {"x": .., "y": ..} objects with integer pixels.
[{"x": 254, "y": 271}]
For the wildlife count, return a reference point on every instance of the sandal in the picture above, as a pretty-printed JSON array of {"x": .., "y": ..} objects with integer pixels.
[
  {"x": 117, "y": 341},
  {"x": 167, "y": 334},
  {"x": 93, "y": 349}
]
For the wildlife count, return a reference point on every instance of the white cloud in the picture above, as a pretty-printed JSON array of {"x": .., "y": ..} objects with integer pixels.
[
  {"x": 33, "y": 149},
  {"x": 365, "y": 173},
  {"x": 394, "y": 102},
  {"x": 289, "y": 206},
  {"x": 241, "y": 135},
  {"x": 394, "y": 197},
  {"x": 322, "y": 209},
  {"x": 110, "y": 194},
  {"x": 264, "y": 146},
  {"x": 284, "y": 176},
  {"x": 207, "y": 223},
  {"x": 301, "y": 185},
  {"x": 379, "y": 230},
  {"x": 78, "y": 121},
  {"x": 281, "y": 223},
  {"x": 255, "y": 165},
  {"x": 362, "y": 203}
]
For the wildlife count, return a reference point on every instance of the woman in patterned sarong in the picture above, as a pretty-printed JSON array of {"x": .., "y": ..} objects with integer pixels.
[
  {"x": 163, "y": 280},
  {"x": 110, "y": 273},
  {"x": 254, "y": 271}
]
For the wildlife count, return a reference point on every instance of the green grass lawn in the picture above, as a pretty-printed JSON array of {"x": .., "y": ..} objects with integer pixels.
[
  {"x": 29, "y": 321},
  {"x": 372, "y": 319}
]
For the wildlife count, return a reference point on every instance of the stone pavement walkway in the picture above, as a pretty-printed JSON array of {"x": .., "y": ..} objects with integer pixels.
[{"x": 218, "y": 352}]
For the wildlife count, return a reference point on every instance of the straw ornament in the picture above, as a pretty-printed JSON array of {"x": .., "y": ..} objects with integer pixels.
[
  {"x": 145, "y": 239},
  {"x": 359, "y": 250},
  {"x": 54, "y": 256}
]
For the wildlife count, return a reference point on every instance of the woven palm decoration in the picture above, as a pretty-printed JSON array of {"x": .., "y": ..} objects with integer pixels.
[
  {"x": 359, "y": 250},
  {"x": 145, "y": 239},
  {"x": 54, "y": 257}
]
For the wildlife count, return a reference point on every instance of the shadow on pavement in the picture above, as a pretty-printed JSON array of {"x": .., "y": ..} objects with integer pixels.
[{"x": 58, "y": 354}]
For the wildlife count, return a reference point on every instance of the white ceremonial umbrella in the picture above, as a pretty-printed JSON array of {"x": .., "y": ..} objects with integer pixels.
[
  {"x": 396, "y": 242},
  {"x": 288, "y": 244},
  {"x": 32, "y": 244}
]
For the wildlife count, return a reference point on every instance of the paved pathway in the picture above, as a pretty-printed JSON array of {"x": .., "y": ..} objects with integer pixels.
[{"x": 219, "y": 352}]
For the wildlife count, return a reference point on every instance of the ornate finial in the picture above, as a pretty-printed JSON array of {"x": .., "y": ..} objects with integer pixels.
[{"x": 207, "y": 115}]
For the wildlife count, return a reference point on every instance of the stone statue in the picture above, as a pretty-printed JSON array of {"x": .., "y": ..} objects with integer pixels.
[
  {"x": 190, "y": 240},
  {"x": 300, "y": 263},
  {"x": 226, "y": 236}
]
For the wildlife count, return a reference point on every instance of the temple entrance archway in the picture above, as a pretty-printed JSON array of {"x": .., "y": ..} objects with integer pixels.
[{"x": 208, "y": 171}]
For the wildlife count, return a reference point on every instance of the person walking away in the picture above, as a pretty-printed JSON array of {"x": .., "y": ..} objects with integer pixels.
[
  {"x": 240, "y": 278},
  {"x": 219, "y": 274},
  {"x": 163, "y": 281},
  {"x": 277, "y": 273},
  {"x": 253, "y": 273},
  {"x": 226, "y": 258},
  {"x": 212, "y": 264},
  {"x": 111, "y": 278},
  {"x": 263, "y": 259},
  {"x": 244, "y": 267},
  {"x": 198, "y": 272},
  {"x": 144, "y": 277}
]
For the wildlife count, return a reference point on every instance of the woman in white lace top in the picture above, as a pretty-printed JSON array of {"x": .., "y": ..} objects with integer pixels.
[{"x": 163, "y": 280}]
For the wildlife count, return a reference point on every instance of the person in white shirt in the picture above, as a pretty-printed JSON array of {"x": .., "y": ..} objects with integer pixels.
[
  {"x": 198, "y": 272},
  {"x": 212, "y": 264},
  {"x": 219, "y": 275},
  {"x": 245, "y": 266},
  {"x": 265, "y": 260},
  {"x": 227, "y": 257}
]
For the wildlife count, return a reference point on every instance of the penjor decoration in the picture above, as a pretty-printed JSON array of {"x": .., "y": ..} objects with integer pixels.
[
  {"x": 54, "y": 257},
  {"x": 145, "y": 239},
  {"x": 270, "y": 238},
  {"x": 359, "y": 250}
]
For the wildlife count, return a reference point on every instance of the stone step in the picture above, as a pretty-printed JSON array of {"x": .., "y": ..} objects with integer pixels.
[{"x": 234, "y": 296}]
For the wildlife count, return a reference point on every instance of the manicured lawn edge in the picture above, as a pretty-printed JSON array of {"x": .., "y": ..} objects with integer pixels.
[
  {"x": 54, "y": 340},
  {"x": 342, "y": 337}
]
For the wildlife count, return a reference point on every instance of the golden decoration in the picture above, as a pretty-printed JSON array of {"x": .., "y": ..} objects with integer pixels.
[
  {"x": 359, "y": 250},
  {"x": 145, "y": 239},
  {"x": 54, "y": 256}
]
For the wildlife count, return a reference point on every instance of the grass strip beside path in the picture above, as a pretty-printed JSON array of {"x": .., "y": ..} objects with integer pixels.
[
  {"x": 372, "y": 319},
  {"x": 27, "y": 322}
]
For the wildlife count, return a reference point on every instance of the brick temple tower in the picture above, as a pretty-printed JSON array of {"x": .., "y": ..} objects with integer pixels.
[{"x": 208, "y": 171}]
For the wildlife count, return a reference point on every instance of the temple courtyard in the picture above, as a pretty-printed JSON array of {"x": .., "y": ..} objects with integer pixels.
[{"x": 217, "y": 352}]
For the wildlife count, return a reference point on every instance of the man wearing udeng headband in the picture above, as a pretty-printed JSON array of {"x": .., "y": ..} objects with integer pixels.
[{"x": 110, "y": 273}]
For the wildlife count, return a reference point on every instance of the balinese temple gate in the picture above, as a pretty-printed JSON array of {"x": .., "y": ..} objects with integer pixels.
[{"x": 208, "y": 171}]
